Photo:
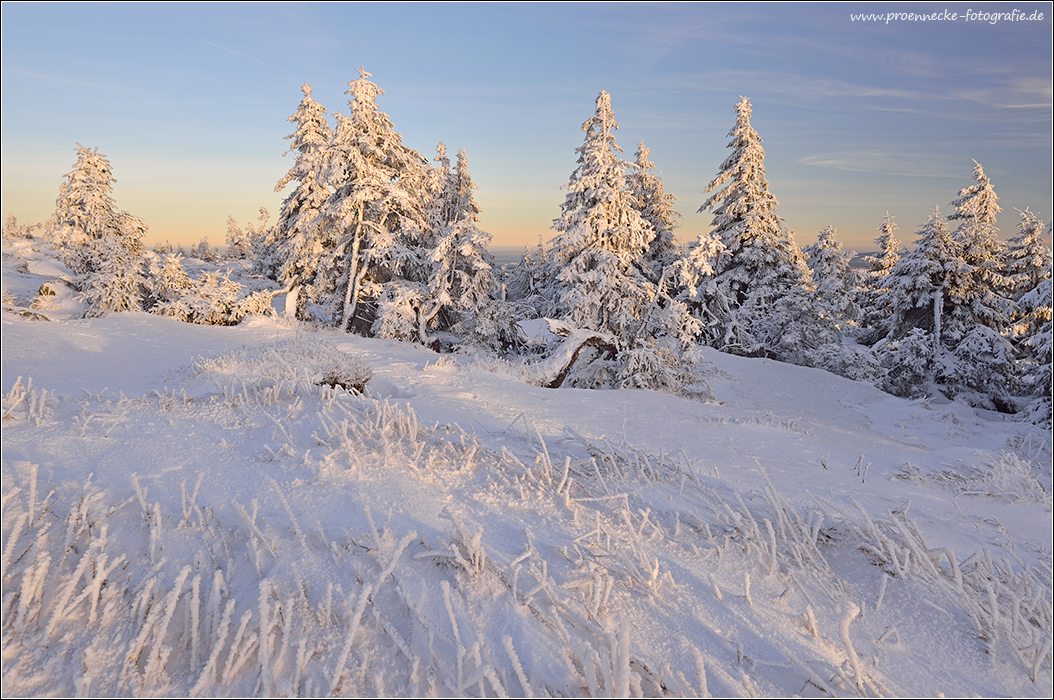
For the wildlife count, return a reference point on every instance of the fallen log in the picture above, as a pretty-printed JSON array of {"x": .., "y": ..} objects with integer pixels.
[{"x": 551, "y": 372}]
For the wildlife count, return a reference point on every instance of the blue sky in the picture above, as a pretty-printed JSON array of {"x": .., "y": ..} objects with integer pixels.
[{"x": 190, "y": 101}]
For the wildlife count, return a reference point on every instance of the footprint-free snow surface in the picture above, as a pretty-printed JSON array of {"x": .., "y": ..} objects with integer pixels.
[{"x": 193, "y": 510}]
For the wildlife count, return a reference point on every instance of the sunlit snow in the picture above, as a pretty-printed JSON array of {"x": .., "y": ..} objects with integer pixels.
[{"x": 200, "y": 510}]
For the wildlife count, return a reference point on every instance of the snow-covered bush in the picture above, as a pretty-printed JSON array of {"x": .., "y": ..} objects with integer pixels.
[
  {"x": 116, "y": 284},
  {"x": 849, "y": 360},
  {"x": 493, "y": 327},
  {"x": 340, "y": 369},
  {"x": 1005, "y": 475},
  {"x": 650, "y": 366},
  {"x": 315, "y": 362},
  {"x": 213, "y": 299},
  {"x": 14, "y": 230},
  {"x": 397, "y": 311},
  {"x": 983, "y": 370},
  {"x": 908, "y": 363}
]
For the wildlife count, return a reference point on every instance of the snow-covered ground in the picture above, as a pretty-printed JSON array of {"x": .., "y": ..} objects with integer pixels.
[{"x": 192, "y": 510}]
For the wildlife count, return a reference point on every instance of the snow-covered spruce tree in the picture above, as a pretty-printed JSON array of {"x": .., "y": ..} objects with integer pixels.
[
  {"x": 12, "y": 230},
  {"x": 203, "y": 251},
  {"x": 760, "y": 263},
  {"x": 977, "y": 363},
  {"x": 602, "y": 238},
  {"x": 375, "y": 215},
  {"x": 528, "y": 284},
  {"x": 874, "y": 284},
  {"x": 976, "y": 296},
  {"x": 978, "y": 309},
  {"x": 919, "y": 282},
  {"x": 656, "y": 207},
  {"x": 239, "y": 245},
  {"x": 460, "y": 284},
  {"x": 917, "y": 287},
  {"x": 600, "y": 282},
  {"x": 834, "y": 281},
  {"x": 84, "y": 211},
  {"x": 117, "y": 281},
  {"x": 1028, "y": 257},
  {"x": 1036, "y": 339},
  {"x": 101, "y": 247},
  {"x": 300, "y": 241}
]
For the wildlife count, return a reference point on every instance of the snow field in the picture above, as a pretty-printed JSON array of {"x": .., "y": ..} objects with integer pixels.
[{"x": 243, "y": 529}]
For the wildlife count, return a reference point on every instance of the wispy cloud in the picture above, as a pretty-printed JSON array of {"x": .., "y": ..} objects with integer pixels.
[
  {"x": 883, "y": 163},
  {"x": 248, "y": 58},
  {"x": 86, "y": 84},
  {"x": 1013, "y": 93}
]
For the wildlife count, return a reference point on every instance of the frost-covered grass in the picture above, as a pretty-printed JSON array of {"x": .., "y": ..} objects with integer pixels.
[{"x": 193, "y": 510}]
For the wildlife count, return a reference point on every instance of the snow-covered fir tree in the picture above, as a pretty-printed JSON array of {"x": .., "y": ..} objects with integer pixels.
[
  {"x": 834, "y": 281},
  {"x": 656, "y": 207},
  {"x": 460, "y": 279},
  {"x": 298, "y": 236},
  {"x": 375, "y": 215},
  {"x": 760, "y": 262},
  {"x": 85, "y": 210},
  {"x": 101, "y": 246},
  {"x": 116, "y": 281},
  {"x": 976, "y": 295},
  {"x": 1037, "y": 338},
  {"x": 602, "y": 238},
  {"x": 971, "y": 360},
  {"x": 874, "y": 282},
  {"x": 920, "y": 280},
  {"x": 600, "y": 270},
  {"x": 1028, "y": 256},
  {"x": 239, "y": 245},
  {"x": 203, "y": 251}
]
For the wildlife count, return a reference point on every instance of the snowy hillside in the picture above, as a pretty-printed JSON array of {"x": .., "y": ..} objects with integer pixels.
[{"x": 200, "y": 510}]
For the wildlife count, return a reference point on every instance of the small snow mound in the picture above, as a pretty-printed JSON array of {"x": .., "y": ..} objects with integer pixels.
[{"x": 384, "y": 389}]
